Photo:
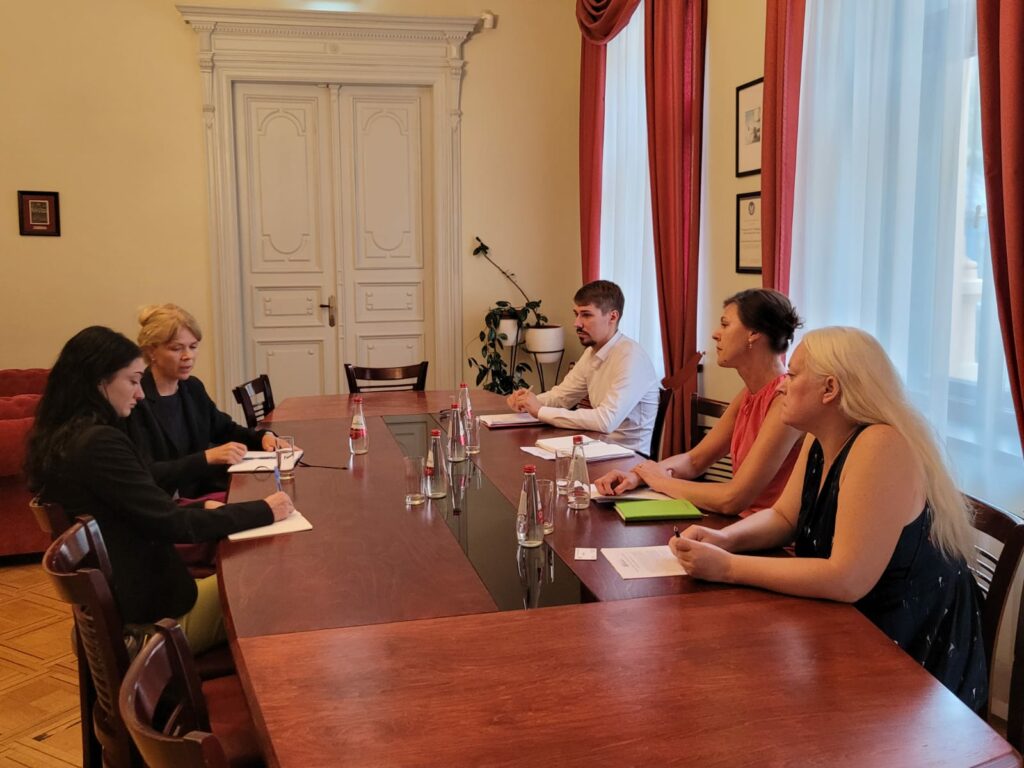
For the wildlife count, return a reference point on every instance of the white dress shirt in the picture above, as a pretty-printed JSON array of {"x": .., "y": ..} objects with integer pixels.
[{"x": 622, "y": 387}]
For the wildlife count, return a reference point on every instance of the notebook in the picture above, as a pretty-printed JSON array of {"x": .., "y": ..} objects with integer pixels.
[
  {"x": 291, "y": 524},
  {"x": 594, "y": 450},
  {"x": 671, "y": 509}
]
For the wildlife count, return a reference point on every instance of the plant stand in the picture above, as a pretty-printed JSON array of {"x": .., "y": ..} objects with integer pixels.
[{"x": 540, "y": 366}]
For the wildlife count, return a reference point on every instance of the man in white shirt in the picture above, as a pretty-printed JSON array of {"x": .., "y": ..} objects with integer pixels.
[{"x": 614, "y": 373}]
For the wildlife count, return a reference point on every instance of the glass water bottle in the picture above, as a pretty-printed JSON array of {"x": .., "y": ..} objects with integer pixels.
[
  {"x": 529, "y": 520},
  {"x": 579, "y": 478},
  {"x": 434, "y": 469},
  {"x": 358, "y": 439},
  {"x": 456, "y": 435}
]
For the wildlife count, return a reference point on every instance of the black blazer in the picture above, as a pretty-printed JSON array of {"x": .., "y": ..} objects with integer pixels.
[
  {"x": 104, "y": 475},
  {"x": 206, "y": 426}
]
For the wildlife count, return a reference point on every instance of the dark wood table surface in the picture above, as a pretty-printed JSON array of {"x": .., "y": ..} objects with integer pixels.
[{"x": 371, "y": 641}]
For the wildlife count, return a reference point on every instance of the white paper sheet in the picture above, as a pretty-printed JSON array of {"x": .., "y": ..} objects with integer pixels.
[
  {"x": 643, "y": 562},
  {"x": 291, "y": 524},
  {"x": 637, "y": 494},
  {"x": 594, "y": 451},
  {"x": 264, "y": 461}
]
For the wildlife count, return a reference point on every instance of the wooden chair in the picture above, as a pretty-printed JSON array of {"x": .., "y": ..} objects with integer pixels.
[
  {"x": 175, "y": 720},
  {"x": 664, "y": 400},
  {"x": 386, "y": 379},
  {"x": 79, "y": 568},
  {"x": 256, "y": 398},
  {"x": 53, "y": 521},
  {"x": 703, "y": 413},
  {"x": 994, "y": 575}
]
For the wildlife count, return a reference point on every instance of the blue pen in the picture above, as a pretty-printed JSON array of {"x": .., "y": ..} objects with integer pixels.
[{"x": 277, "y": 477}]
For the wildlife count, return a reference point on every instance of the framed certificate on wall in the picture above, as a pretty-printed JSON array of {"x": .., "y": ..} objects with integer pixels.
[{"x": 748, "y": 233}]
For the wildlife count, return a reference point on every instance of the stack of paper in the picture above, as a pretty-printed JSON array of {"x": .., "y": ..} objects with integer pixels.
[
  {"x": 594, "y": 450},
  {"x": 502, "y": 420},
  {"x": 637, "y": 494},
  {"x": 294, "y": 522},
  {"x": 671, "y": 509},
  {"x": 264, "y": 461}
]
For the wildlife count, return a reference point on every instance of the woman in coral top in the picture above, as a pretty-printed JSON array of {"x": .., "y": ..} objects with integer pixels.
[{"x": 756, "y": 329}]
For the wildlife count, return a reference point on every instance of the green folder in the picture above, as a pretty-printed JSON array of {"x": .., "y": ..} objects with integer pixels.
[{"x": 668, "y": 509}]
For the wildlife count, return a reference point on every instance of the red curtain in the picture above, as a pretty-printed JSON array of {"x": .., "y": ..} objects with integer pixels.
[
  {"x": 600, "y": 21},
  {"x": 783, "y": 52},
  {"x": 1001, "y": 72},
  {"x": 675, "y": 34}
]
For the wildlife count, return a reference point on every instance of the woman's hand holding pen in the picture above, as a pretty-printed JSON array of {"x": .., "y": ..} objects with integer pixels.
[
  {"x": 280, "y": 504},
  {"x": 703, "y": 552}
]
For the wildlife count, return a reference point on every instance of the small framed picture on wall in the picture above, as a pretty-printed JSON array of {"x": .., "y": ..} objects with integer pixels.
[
  {"x": 748, "y": 127},
  {"x": 38, "y": 214},
  {"x": 748, "y": 233}
]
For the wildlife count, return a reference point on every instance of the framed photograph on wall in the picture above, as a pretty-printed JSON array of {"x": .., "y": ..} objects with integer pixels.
[
  {"x": 748, "y": 127},
  {"x": 38, "y": 214},
  {"x": 748, "y": 233}
]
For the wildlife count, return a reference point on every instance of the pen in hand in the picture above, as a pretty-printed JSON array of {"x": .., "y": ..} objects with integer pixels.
[
  {"x": 277, "y": 479},
  {"x": 675, "y": 531}
]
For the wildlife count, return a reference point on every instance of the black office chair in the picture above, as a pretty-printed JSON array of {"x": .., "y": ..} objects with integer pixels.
[
  {"x": 703, "y": 413},
  {"x": 408, "y": 377},
  {"x": 256, "y": 399}
]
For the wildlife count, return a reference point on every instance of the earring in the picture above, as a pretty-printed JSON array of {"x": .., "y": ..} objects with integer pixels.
[{"x": 750, "y": 345}]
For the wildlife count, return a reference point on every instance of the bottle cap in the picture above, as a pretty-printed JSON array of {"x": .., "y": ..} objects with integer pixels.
[
  {"x": 463, "y": 385},
  {"x": 357, "y": 399},
  {"x": 577, "y": 439},
  {"x": 529, "y": 469},
  {"x": 435, "y": 433},
  {"x": 455, "y": 406}
]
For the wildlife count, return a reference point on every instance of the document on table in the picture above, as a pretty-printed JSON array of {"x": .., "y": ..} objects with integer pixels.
[
  {"x": 645, "y": 494},
  {"x": 293, "y": 523},
  {"x": 643, "y": 562},
  {"x": 502, "y": 420},
  {"x": 264, "y": 461},
  {"x": 595, "y": 450}
]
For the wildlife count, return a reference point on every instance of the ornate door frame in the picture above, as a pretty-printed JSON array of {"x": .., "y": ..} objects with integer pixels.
[{"x": 322, "y": 47}]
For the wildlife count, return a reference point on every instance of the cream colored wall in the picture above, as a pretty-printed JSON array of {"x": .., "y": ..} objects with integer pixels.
[
  {"x": 106, "y": 111},
  {"x": 735, "y": 55}
]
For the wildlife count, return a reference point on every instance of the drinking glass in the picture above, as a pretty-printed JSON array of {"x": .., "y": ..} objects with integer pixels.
[
  {"x": 473, "y": 435},
  {"x": 285, "y": 457},
  {"x": 413, "y": 466},
  {"x": 562, "y": 471},
  {"x": 546, "y": 491}
]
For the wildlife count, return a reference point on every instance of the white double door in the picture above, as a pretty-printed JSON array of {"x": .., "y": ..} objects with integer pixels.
[{"x": 335, "y": 218}]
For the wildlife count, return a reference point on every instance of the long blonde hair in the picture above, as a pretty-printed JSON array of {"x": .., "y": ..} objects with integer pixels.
[
  {"x": 159, "y": 323},
  {"x": 871, "y": 392}
]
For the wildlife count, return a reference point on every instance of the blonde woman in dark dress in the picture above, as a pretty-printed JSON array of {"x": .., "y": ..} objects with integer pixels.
[{"x": 872, "y": 509}]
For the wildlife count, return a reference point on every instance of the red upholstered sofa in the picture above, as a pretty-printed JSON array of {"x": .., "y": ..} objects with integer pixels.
[{"x": 20, "y": 391}]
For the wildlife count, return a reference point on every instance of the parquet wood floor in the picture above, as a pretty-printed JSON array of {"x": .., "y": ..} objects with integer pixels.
[{"x": 39, "y": 718}]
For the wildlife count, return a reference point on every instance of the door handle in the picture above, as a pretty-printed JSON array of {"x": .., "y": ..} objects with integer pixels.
[{"x": 332, "y": 307}]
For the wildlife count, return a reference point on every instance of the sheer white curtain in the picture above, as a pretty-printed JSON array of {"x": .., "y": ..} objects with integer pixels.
[
  {"x": 889, "y": 229},
  {"x": 627, "y": 236}
]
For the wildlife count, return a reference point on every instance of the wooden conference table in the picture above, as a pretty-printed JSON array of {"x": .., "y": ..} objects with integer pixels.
[{"x": 384, "y": 635}]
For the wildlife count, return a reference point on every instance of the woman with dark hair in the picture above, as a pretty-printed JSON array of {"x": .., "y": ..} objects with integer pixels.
[
  {"x": 80, "y": 457},
  {"x": 755, "y": 330}
]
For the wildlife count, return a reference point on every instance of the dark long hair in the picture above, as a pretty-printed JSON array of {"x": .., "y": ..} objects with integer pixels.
[{"x": 72, "y": 400}]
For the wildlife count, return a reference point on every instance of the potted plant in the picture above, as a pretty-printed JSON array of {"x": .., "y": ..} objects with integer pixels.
[{"x": 503, "y": 326}]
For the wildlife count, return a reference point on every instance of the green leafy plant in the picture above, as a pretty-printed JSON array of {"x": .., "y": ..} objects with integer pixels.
[{"x": 492, "y": 370}]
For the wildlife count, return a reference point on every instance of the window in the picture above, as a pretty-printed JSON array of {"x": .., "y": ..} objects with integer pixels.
[
  {"x": 627, "y": 229},
  {"x": 890, "y": 232}
]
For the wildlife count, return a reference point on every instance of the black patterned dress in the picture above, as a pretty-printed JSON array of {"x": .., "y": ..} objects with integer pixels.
[{"x": 929, "y": 605}]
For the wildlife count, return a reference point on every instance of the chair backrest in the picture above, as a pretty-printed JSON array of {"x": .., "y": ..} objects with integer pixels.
[
  {"x": 163, "y": 706},
  {"x": 994, "y": 573},
  {"x": 256, "y": 398},
  {"x": 50, "y": 517},
  {"x": 407, "y": 377},
  {"x": 664, "y": 401},
  {"x": 703, "y": 413},
  {"x": 79, "y": 569}
]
